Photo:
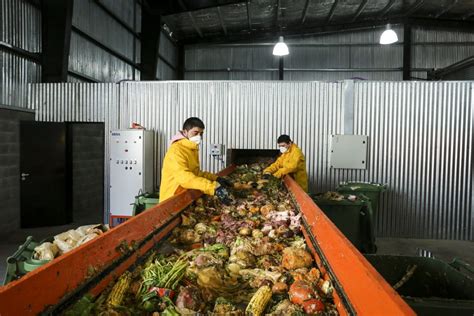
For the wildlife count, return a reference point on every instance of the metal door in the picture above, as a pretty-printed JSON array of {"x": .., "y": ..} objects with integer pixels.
[{"x": 45, "y": 190}]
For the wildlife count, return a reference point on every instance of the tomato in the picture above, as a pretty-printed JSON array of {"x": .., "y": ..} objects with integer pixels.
[
  {"x": 300, "y": 291},
  {"x": 313, "y": 306}
]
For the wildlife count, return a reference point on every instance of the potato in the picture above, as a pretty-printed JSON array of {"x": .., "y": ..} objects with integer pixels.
[{"x": 294, "y": 258}]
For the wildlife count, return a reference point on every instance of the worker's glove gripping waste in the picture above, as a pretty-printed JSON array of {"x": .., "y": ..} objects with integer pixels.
[
  {"x": 225, "y": 182},
  {"x": 223, "y": 195},
  {"x": 268, "y": 176}
]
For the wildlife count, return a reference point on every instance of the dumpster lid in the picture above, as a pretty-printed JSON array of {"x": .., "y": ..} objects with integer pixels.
[{"x": 362, "y": 186}]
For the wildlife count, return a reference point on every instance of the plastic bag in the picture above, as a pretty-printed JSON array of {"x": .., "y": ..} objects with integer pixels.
[{"x": 46, "y": 251}]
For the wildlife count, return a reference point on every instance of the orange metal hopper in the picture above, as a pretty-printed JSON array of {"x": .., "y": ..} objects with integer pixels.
[{"x": 359, "y": 289}]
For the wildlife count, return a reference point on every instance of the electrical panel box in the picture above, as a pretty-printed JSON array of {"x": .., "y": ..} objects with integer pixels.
[
  {"x": 217, "y": 150},
  {"x": 131, "y": 169},
  {"x": 349, "y": 151}
]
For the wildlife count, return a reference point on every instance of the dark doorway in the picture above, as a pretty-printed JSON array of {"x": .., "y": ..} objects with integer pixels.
[
  {"x": 87, "y": 153},
  {"x": 45, "y": 182}
]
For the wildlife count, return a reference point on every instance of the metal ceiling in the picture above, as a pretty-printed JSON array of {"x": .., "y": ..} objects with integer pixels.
[{"x": 229, "y": 21}]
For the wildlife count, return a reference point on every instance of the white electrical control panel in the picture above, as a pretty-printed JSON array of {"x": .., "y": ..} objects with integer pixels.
[
  {"x": 216, "y": 150},
  {"x": 131, "y": 169},
  {"x": 349, "y": 151}
]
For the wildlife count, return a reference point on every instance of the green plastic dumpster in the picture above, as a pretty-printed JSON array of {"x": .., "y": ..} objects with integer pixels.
[
  {"x": 22, "y": 262},
  {"x": 353, "y": 218},
  {"x": 434, "y": 287},
  {"x": 369, "y": 189}
]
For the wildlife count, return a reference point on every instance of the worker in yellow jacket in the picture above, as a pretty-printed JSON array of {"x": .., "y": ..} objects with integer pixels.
[
  {"x": 181, "y": 166},
  {"x": 291, "y": 161}
]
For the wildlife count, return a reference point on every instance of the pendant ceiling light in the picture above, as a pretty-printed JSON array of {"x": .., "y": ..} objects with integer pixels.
[
  {"x": 388, "y": 36},
  {"x": 280, "y": 49}
]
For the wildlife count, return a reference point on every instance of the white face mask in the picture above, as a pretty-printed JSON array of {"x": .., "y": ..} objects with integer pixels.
[
  {"x": 283, "y": 150},
  {"x": 196, "y": 139}
]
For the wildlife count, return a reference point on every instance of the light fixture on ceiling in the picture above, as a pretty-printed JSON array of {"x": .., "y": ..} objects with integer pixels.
[
  {"x": 280, "y": 49},
  {"x": 388, "y": 36}
]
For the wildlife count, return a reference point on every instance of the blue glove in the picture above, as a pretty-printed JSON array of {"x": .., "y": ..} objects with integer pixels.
[
  {"x": 223, "y": 195},
  {"x": 225, "y": 182}
]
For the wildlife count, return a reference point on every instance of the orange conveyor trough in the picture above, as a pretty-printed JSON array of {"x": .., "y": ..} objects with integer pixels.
[{"x": 359, "y": 289}]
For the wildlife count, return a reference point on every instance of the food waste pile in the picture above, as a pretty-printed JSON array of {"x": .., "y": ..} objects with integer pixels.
[{"x": 247, "y": 258}]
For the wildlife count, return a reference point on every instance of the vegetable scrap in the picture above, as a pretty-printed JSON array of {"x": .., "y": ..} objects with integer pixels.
[{"x": 248, "y": 258}]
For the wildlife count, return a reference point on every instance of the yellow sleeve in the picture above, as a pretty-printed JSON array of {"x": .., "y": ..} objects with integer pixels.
[
  {"x": 208, "y": 175},
  {"x": 290, "y": 166},
  {"x": 188, "y": 180},
  {"x": 274, "y": 166}
]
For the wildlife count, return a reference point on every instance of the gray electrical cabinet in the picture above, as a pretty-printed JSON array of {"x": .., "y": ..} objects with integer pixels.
[{"x": 349, "y": 151}]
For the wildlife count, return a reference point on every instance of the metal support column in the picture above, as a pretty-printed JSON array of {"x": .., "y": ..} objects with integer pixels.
[
  {"x": 56, "y": 24},
  {"x": 281, "y": 69},
  {"x": 150, "y": 42},
  {"x": 181, "y": 62},
  {"x": 407, "y": 51}
]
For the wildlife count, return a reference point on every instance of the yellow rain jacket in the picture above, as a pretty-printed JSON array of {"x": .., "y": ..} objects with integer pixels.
[
  {"x": 181, "y": 168},
  {"x": 293, "y": 163}
]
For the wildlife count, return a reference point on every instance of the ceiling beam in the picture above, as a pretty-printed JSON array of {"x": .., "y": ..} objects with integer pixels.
[
  {"x": 191, "y": 17},
  {"x": 174, "y": 7},
  {"x": 414, "y": 7},
  {"x": 360, "y": 9},
  {"x": 303, "y": 31},
  {"x": 305, "y": 12},
  {"x": 387, "y": 8},
  {"x": 221, "y": 20},
  {"x": 196, "y": 28},
  {"x": 446, "y": 9},
  {"x": 249, "y": 19},
  {"x": 331, "y": 13}
]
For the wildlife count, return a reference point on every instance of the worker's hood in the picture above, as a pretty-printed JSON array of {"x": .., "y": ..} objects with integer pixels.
[{"x": 178, "y": 136}]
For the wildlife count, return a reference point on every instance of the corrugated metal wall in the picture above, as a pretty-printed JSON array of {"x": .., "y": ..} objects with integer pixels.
[
  {"x": 78, "y": 102},
  {"x": 168, "y": 59},
  {"x": 20, "y": 22},
  {"x": 90, "y": 60},
  {"x": 326, "y": 57},
  {"x": 421, "y": 134},
  {"x": 19, "y": 25},
  {"x": 86, "y": 58},
  {"x": 331, "y": 57},
  {"x": 421, "y": 139},
  {"x": 434, "y": 49},
  {"x": 229, "y": 109}
]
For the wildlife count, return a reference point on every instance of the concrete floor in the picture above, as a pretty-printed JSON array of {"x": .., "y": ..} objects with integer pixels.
[{"x": 445, "y": 250}]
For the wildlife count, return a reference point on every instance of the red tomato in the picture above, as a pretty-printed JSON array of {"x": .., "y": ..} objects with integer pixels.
[
  {"x": 300, "y": 291},
  {"x": 313, "y": 306}
]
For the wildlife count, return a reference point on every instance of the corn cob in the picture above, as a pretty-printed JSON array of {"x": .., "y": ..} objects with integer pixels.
[
  {"x": 117, "y": 293},
  {"x": 259, "y": 301}
]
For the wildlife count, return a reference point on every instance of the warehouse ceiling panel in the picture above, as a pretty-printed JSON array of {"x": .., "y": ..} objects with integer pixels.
[{"x": 201, "y": 21}]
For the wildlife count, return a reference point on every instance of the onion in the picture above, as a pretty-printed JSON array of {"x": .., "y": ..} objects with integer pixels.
[
  {"x": 245, "y": 231},
  {"x": 257, "y": 233}
]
